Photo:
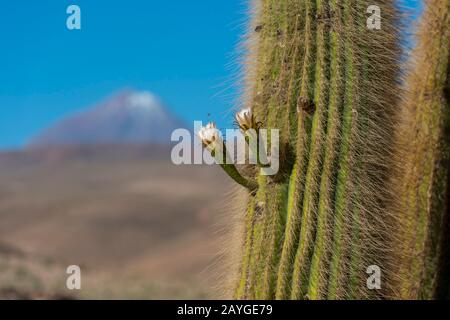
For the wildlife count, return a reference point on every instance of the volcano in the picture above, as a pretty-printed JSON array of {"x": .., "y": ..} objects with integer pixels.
[{"x": 127, "y": 117}]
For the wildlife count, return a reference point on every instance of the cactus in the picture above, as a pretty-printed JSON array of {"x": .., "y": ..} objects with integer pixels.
[
  {"x": 423, "y": 152},
  {"x": 342, "y": 201}
]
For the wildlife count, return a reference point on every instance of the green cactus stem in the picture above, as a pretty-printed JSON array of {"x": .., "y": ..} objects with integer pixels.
[
  {"x": 222, "y": 157},
  {"x": 363, "y": 161},
  {"x": 328, "y": 83}
]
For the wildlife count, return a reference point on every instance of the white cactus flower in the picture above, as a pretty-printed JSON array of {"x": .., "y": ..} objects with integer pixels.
[
  {"x": 209, "y": 134},
  {"x": 245, "y": 119}
]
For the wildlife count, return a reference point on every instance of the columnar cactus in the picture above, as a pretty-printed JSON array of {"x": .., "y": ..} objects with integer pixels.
[
  {"x": 331, "y": 85},
  {"x": 423, "y": 152}
]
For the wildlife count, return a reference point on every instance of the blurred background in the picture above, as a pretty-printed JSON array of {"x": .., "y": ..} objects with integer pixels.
[{"x": 85, "y": 123}]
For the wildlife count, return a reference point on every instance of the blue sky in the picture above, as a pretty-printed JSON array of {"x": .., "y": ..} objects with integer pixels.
[{"x": 183, "y": 51}]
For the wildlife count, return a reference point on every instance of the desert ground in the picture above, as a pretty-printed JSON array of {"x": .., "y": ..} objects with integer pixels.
[{"x": 137, "y": 225}]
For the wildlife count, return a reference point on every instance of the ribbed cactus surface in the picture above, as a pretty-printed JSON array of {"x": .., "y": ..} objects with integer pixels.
[
  {"x": 363, "y": 159},
  {"x": 423, "y": 152},
  {"x": 329, "y": 84}
]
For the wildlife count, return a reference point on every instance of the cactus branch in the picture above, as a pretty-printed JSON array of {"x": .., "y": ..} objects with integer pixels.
[{"x": 234, "y": 174}]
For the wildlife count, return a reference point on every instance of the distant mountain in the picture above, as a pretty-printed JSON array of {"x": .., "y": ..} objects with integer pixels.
[{"x": 127, "y": 117}]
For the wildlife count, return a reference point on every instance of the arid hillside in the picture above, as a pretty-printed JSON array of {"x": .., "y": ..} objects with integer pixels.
[{"x": 137, "y": 225}]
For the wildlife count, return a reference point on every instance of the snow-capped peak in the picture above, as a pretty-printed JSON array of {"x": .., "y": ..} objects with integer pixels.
[
  {"x": 143, "y": 100},
  {"x": 129, "y": 116}
]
